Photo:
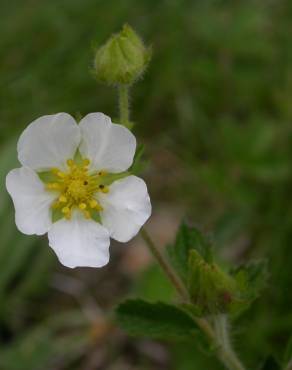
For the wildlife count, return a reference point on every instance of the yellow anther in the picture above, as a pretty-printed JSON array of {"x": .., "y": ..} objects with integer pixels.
[
  {"x": 61, "y": 174},
  {"x": 55, "y": 205},
  {"x": 63, "y": 199},
  {"x": 99, "y": 207},
  {"x": 103, "y": 189},
  {"x": 53, "y": 186},
  {"x": 70, "y": 162},
  {"x": 87, "y": 214},
  {"x": 93, "y": 203},
  {"x": 77, "y": 188},
  {"x": 68, "y": 216},
  {"x": 66, "y": 210}
]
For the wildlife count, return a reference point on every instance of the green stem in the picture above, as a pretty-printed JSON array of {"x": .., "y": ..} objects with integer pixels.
[
  {"x": 123, "y": 91},
  {"x": 219, "y": 336},
  {"x": 225, "y": 350}
]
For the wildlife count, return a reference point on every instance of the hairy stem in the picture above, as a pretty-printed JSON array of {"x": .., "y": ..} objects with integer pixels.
[
  {"x": 225, "y": 350},
  {"x": 166, "y": 267},
  {"x": 217, "y": 336},
  {"x": 123, "y": 91}
]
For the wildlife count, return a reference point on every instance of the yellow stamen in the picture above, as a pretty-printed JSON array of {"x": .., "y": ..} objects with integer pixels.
[
  {"x": 70, "y": 162},
  {"x": 104, "y": 189},
  {"x": 77, "y": 188},
  {"x": 53, "y": 186},
  {"x": 86, "y": 162},
  {"x": 99, "y": 207},
  {"x": 62, "y": 199},
  {"x": 93, "y": 203},
  {"x": 87, "y": 214},
  {"x": 66, "y": 210},
  {"x": 61, "y": 174}
]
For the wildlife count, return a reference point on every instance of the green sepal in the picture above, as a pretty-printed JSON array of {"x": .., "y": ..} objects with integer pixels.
[
  {"x": 57, "y": 214},
  {"x": 47, "y": 176},
  {"x": 95, "y": 215},
  {"x": 112, "y": 177},
  {"x": 139, "y": 162},
  {"x": 251, "y": 280},
  {"x": 78, "y": 159}
]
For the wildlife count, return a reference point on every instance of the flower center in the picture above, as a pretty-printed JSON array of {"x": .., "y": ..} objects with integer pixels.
[{"x": 77, "y": 188}]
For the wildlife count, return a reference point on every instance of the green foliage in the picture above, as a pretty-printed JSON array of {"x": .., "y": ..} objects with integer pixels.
[
  {"x": 152, "y": 285},
  {"x": 155, "y": 320},
  {"x": 187, "y": 239}
]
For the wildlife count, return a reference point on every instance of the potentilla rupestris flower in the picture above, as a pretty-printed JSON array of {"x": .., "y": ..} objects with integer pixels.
[{"x": 74, "y": 185}]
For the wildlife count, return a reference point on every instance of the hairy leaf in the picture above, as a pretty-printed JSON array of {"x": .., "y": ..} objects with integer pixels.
[{"x": 155, "y": 320}]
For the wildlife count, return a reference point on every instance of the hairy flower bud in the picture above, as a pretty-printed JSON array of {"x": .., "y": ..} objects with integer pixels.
[
  {"x": 212, "y": 290},
  {"x": 122, "y": 59}
]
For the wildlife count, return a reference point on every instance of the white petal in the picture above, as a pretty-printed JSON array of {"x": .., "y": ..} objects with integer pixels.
[
  {"x": 109, "y": 146},
  {"x": 31, "y": 201},
  {"x": 80, "y": 242},
  {"x": 48, "y": 142},
  {"x": 126, "y": 208}
]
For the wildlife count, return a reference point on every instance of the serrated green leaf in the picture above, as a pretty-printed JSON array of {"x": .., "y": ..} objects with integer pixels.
[
  {"x": 188, "y": 239},
  {"x": 155, "y": 320}
]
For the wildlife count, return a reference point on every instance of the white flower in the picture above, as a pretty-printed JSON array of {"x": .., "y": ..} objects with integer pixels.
[{"x": 74, "y": 186}]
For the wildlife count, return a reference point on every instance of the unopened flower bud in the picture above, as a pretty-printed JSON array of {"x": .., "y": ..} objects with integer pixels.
[
  {"x": 212, "y": 290},
  {"x": 122, "y": 59}
]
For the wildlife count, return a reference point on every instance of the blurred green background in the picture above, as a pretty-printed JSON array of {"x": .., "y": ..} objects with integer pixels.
[{"x": 215, "y": 113}]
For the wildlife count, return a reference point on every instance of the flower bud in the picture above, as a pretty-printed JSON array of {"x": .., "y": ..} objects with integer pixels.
[
  {"x": 212, "y": 290},
  {"x": 122, "y": 59}
]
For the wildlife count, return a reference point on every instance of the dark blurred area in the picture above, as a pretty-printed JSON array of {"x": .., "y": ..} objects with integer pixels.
[{"x": 214, "y": 112}]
